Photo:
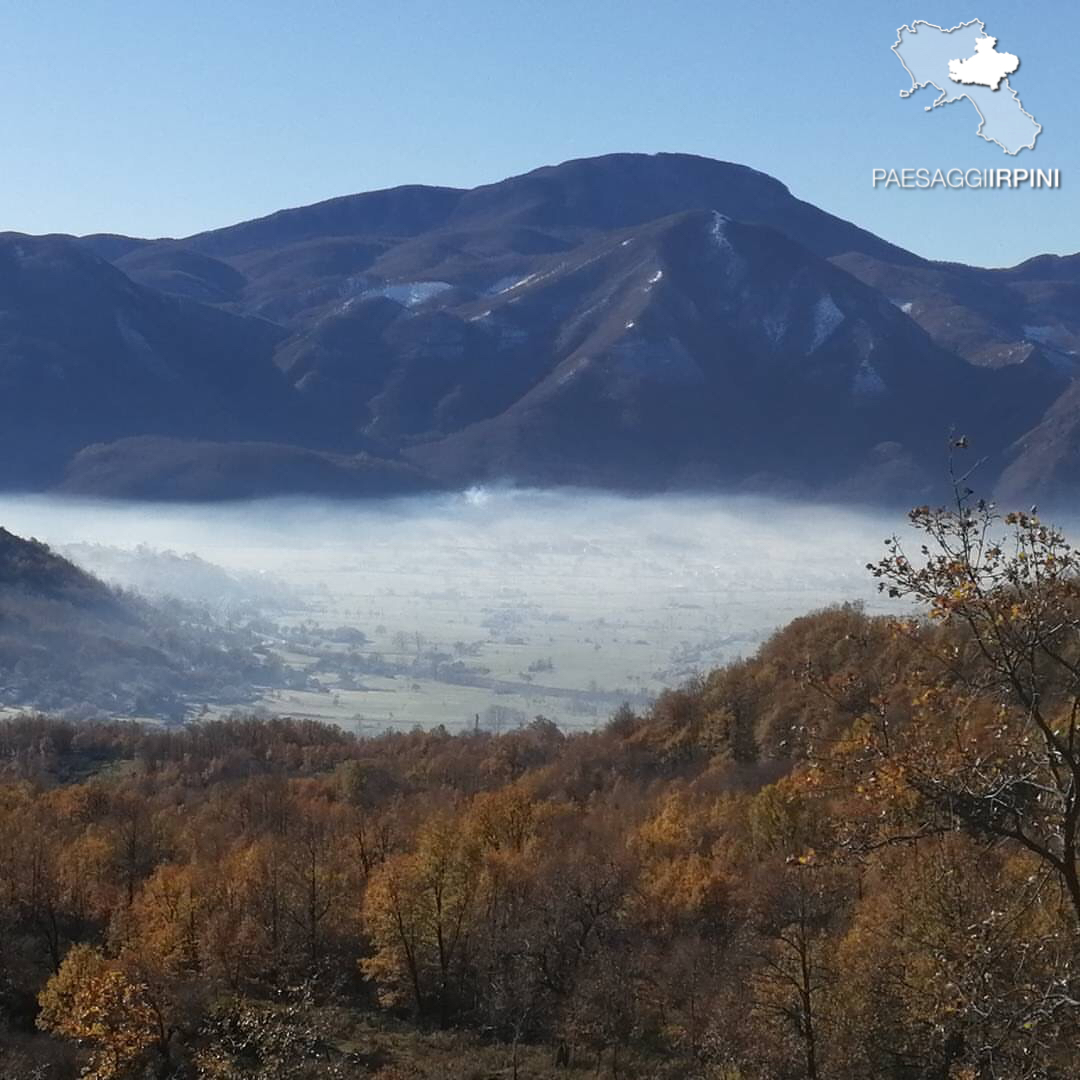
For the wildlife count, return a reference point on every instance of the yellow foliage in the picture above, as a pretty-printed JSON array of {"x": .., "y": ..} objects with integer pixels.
[{"x": 92, "y": 1000}]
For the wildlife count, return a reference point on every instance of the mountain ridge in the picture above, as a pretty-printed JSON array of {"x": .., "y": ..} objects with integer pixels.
[{"x": 515, "y": 331}]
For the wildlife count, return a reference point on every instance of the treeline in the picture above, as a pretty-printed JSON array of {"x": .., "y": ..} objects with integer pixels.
[{"x": 851, "y": 856}]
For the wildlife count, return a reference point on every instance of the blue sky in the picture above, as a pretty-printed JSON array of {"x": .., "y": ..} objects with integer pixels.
[{"x": 156, "y": 119}]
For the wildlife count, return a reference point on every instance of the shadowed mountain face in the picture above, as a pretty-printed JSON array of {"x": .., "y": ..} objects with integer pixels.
[
  {"x": 630, "y": 321},
  {"x": 86, "y": 354},
  {"x": 700, "y": 351}
]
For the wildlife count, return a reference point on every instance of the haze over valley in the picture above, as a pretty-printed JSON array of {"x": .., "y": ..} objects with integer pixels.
[
  {"x": 500, "y": 603},
  {"x": 542, "y": 446}
]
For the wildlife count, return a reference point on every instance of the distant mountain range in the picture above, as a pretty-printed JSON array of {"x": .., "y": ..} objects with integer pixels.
[{"x": 630, "y": 321}]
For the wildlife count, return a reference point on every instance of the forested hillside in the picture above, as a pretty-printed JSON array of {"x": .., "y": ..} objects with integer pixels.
[{"x": 851, "y": 856}]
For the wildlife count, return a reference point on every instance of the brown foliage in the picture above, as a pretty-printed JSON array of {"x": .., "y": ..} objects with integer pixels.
[{"x": 851, "y": 855}]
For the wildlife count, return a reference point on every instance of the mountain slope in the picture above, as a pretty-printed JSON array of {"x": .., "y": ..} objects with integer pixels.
[
  {"x": 742, "y": 358},
  {"x": 86, "y": 354},
  {"x": 619, "y": 190},
  {"x": 151, "y": 467},
  {"x": 69, "y": 641},
  {"x": 295, "y": 262},
  {"x": 992, "y": 318},
  {"x": 629, "y": 320}
]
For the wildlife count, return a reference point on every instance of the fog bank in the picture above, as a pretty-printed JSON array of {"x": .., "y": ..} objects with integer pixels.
[{"x": 562, "y": 601}]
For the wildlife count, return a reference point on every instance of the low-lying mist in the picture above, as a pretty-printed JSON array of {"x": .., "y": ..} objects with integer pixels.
[{"x": 498, "y": 603}]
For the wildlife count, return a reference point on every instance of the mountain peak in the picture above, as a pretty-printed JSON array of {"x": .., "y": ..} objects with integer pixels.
[{"x": 625, "y": 319}]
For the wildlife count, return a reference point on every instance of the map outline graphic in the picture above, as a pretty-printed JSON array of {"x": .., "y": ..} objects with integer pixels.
[{"x": 961, "y": 90}]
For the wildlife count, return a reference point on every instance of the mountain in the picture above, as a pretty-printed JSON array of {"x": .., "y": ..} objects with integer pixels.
[
  {"x": 30, "y": 568},
  {"x": 729, "y": 345},
  {"x": 1043, "y": 465},
  {"x": 297, "y": 266},
  {"x": 992, "y": 318},
  {"x": 633, "y": 321},
  {"x": 86, "y": 354},
  {"x": 68, "y": 641}
]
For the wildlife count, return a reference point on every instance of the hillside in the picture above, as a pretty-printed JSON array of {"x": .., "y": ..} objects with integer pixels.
[
  {"x": 69, "y": 642},
  {"x": 152, "y": 467},
  {"x": 842, "y": 856},
  {"x": 630, "y": 321}
]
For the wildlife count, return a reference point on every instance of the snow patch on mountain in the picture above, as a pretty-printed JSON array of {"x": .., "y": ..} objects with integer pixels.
[
  {"x": 827, "y": 320},
  {"x": 518, "y": 283},
  {"x": 776, "y": 327},
  {"x": 866, "y": 381},
  {"x": 409, "y": 293},
  {"x": 718, "y": 230},
  {"x": 504, "y": 284},
  {"x": 572, "y": 369},
  {"x": 734, "y": 263}
]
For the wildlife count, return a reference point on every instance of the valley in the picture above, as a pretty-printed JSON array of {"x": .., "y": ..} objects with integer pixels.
[{"x": 498, "y": 604}]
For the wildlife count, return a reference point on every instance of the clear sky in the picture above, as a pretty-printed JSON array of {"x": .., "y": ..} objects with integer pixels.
[{"x": 165, "y": 119}]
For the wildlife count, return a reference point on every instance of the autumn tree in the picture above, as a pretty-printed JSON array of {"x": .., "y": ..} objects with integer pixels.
[
  {"x": 795, "y": 908},
  {"x": 168, "y": 920},
  {"x": 419, "y": 910},
  {"x": 314, "y": 875},
  {"x": 258, "y": 881},
  {"x": 91, "y": 999},
  {"x": 994, "y": 741},
  {"x": 953, "y": 964}
]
